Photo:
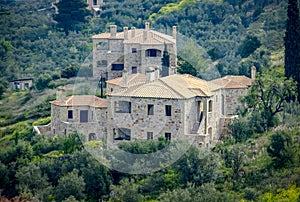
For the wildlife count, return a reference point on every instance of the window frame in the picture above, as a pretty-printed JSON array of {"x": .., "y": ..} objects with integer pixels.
[
  {"x": 168, "y": 110},
  {"x": 82, "y": 118},
  {"x": 150, "y": 109},
  {"x": 70, "y": 114},
  {"x": 168, "y": 136}
]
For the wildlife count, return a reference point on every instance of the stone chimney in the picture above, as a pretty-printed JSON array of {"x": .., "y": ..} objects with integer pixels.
[
  {"x": 113, "y": 31},
  {"x": 174, "y": 32},
  {"x": 132, "y": 32},
  {"x": 253, "y": 72},
  {"x": 147, "y": 26},
  {"x": 61, "y": 94},
  {"x": 125, "y": 33}
]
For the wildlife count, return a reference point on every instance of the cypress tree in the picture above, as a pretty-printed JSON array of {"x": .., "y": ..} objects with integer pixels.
[
  {"x": 71, "y": 15},
  {"x": 292, "y": 44}
]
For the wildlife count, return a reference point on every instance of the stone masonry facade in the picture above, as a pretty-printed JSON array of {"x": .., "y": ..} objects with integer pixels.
[{"x": 133, "y": 50}]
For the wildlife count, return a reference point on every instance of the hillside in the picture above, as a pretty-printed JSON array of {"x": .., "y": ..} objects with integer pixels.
[{"x": 258, "y": 160}]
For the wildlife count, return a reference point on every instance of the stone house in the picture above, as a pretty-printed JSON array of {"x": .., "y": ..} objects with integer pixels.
[
  {"x": 21, "y": 84},
  {"x": 95, "y": 6},
  {"x": 86, "y": 114},
  {"x": 133, "y": 50},
  {"x": 176, "y": 106}
]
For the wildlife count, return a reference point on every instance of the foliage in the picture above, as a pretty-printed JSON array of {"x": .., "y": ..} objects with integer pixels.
[
  {"x": 70, "y": 71},
  {"x": 289, "y": 195},
  {"x": 185, "y": 67},
  {"x": 70, "y": 185},
  {"x": 197, "y": 166},
  {"x": 240, "y": 129},
  {"x": 126, "y": 192},
  {"x": 249, "y": 45},
  {"x": 284, "y": 148},
  {"x": 206, "y": 192},
  {"x": 42, "y": 121},
  {"x": 268, "y": 93},
  {"x": 292, "y": 44},
  {"x": 71, "y": 15},
  {"x": 143, "y": 147},
  {"x": 43, "y": 81}
]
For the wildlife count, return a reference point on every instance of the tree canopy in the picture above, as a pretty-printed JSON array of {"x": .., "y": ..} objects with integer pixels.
[{"x": 71, "y": 15}]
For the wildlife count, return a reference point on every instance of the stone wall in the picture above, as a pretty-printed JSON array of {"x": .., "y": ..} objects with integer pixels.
[
  {"x": 140, "y": 122},
  {"x": 232, "y": 97},
  {"x": 61, "y": 125}
]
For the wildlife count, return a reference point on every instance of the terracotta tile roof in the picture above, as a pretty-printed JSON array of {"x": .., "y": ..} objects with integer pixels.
[
  {"x": 230, "y": 82},
  {"x": 132, "y": 79},
  {"x": 82, "y": 100},
  {"x": 172, "y": 87},
  {"x": 153, "y": 37}
]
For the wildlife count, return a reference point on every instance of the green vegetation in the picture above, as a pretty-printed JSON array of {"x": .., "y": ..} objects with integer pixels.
[
  {"x": 292, "y": 44},
  {"x": 257, "y": 161}
]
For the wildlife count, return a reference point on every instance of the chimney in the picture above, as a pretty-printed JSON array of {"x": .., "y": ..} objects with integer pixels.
[
  {"x": 174, "y": 32},
  {"x": 125, "y": 33},
  {"x": 132, "y": 32},
  {"x": 61, "y": 94},
  {"x": 147, "y": 26},
  {"x": 113, "y": 31},
  {"x": 253, "y": 72}
]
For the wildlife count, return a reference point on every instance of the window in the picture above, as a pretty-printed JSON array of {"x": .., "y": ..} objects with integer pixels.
[
  {"x": 210, "y": 106},
  {"x": 103, "y": 45},
  {"x": 168, "y": 110},
  {"x": 122, "y": 107},
  {"x": 117, "y": 67},
  {"x": 134, "y": 70},
  {"x": 122, "y": 134},
  {"x": 150, "y": 109},
  {"x": 70, "y": 114},
  {"x": 153, "y": 53},
  {"x": 26, "y": 85},
  {"x": 168, "y": 136},
  {"x": 94, "y": 2},
  {"x": 92, "y": 136},
  {"x": 133, "y": 50},
  {"x": 149, "y": 135},
  {"x": 84, "y": 116}
]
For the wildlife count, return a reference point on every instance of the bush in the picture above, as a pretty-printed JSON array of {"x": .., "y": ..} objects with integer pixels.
[
  {"x": 240, "y": 130},
  {"x": 70, "y": 71},
  {"x": 43, "y": 81}
]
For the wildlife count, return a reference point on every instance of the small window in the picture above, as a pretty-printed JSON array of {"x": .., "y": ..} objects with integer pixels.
[
  {"x": 134, "y": 70},
  {"x": 103, "y": 45},
  {"x": 210, "y": 106},
  {"x": 168, "y": 136},
  {"x": 168, "y": 110},
  {"x": 117, "y": 67},
  {"x": 94, "y": 2},
  {"x": 150, "y": 109},
  {"x": 133, "y": 50},
  {"x": 149, "y": 135},
  {"x": 70, "y": 114},
  {"x": 84, "y": 116},
  {"x": 153, "y": 53},
  {"x": 92, "y": 136}
]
